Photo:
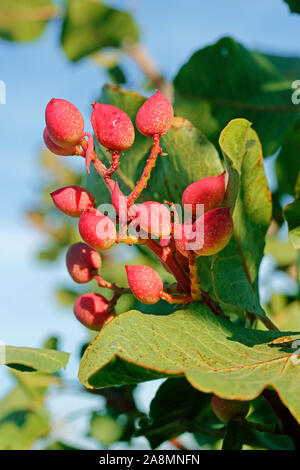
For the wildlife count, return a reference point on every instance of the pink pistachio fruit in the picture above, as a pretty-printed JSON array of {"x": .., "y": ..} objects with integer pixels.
[
  {"x": 64, "y": 122},
  {"x": 93, "y": 310},
  {"x": 228, "y": 410},
  {"x": 113, "y": 128},
  {"x": 145, "y": 284},
  {"x": 82, "y": 262},
  {"x": 154, "y": 218},
  {"x": 97, "y": 229},
  {"x": 209, "y": 191},
  {"x": 208, "y": 235},
  {"x": 155, "y": 116},
  {"x": 56, "y": 148},
  {"x": 72, "y": 200}
]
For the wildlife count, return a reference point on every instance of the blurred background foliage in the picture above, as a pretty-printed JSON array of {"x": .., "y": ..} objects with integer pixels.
[{"x": 218, "y": 83}]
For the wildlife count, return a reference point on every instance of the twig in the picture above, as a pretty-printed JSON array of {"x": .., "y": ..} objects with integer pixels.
[{"x": 147, "y": 65}]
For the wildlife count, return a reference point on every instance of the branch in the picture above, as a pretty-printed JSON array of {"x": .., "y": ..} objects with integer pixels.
[
  {"x": 290, "y": 426},
  {"x": 148, "y": 66}
]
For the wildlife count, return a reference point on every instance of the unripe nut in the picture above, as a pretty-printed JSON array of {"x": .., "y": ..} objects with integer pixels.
[
  {"x": 209, "y": 191},
  {"x": 64, "y": 122},
  {"x": 228, "y": 410},
  {"x": 93, "y": 310},
  {"x": 113, "y": 128},
  {"x": 72, "y": 200},
  {"x": 155, "y": 116},
  {"x": 145, "y": 284},
  {"x": 97, "y": 230},
  {"x": 82, "y": 262}
]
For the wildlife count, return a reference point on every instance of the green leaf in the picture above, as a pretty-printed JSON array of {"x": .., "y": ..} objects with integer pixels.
[
  {"x": 51, "y": 343},
  {"x": 66, "y": 297},
  {"x": 176, "y": 408},
  {"x": 270, "y": 441},
  {"x": 90, "y": 26},
  {"x": 236, "y": 435},
  {"x": 190, "y": 155},
  {"x": 294, "y": 5},
  {"x": 287, "y": 163},
  {"x": 30, "y": 359},
  {"x": 262, "y": 413},
  {"x": 234, "y": 271},
  {"x": 253, "y": 209},
  {"x": 230, "y": 284},
  {"x": 213, "y": 354},
  {"x": 288, "y": 67},
  {"x": 226, "y": 81},
  {"x": 116, "y": 74},
  {"x": 23, "y": 419},
  {"x": 24, "y": 20},
  {"x": 105, "y": 428},
  {"x": 282, "y": 251},
  {"x": 292, "y": 216},
  {"x": 252, "y": 215},
  {"x": 35, "y": 383}
]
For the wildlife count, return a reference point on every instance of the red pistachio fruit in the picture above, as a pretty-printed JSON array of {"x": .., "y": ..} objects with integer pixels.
[
  {"x": 72, "y": 200},
  {"x": 208, "y": 235},
  {"x": 97, "y": 229},
  {"x": 113, "y": 128},
  {"x": 209, "y": 191},
  {"x": 82, "y": 262},
  {"x": 56, "y": 148},
  {"x": 145, "y": 284},
  {"x": 93, "y": 310},
  {"x": 228, "y": 410},
  {"x": 154, "y": 218},
  {"x": 64, "y": 122},
  {"x": 155, "y": 116}
]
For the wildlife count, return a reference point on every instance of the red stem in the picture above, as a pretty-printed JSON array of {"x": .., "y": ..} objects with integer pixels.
[
  {"x": 114, "y": 164},
  {"x": 142, "y": 183},
  {"x": 176, "y": 299},
  {"x": 167, "y": 259},
  {"x": 102, "y": 171}
]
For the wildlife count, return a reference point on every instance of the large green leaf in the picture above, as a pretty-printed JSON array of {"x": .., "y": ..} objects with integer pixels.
[
  {"x": 234, "y": 271},
  {"x": 226, "y": 81},
  {"x": 176, "y": 408},
  {"x": 292, "y": 216},
  {"x": 190, "y": 155},
  {"x": 213, "y": 354},
  {"x": 288, "y": 67},
  {"x": 90, "y": 25},
  {"x": 230, "y": 284},
  {"x": 30, "y": 359},
  {"x": 253, "y": 209},
  {"x": 24, "y": 20}
]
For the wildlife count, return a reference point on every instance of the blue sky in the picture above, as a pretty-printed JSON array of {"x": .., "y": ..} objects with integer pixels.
[{"x": 34, "y": 73}]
